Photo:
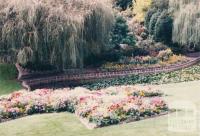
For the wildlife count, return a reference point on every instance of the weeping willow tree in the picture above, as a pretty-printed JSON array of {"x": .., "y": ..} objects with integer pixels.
[
  {"x": 186, "y": 26},
  {"x": 62, "y": 33}
]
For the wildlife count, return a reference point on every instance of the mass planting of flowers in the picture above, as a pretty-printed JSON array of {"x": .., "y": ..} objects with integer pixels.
[
  {"x": 99, "y": 108},
  {"x": 160, "y": 58}
]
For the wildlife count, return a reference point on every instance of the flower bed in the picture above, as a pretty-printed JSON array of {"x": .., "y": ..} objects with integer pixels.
[
  {"x": 95, "y": 108},
  {"x": 144, "y": 61},
  {"x": 160, "y": 58}
]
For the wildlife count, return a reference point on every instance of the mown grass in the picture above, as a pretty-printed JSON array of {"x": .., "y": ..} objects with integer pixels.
[
  {"x": 8, "y": 82},
  {"x": 66, "y": 124}
]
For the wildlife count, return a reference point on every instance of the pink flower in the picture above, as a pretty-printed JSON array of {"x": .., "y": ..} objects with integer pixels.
[
  {"x": 157, "y": 101},
  {"x": 16, "y": 110}
]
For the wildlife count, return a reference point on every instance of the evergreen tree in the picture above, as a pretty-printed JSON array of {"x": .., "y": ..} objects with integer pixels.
[
  {"x": 124, "y": 4},
  {"x": 120, "y": 33},
  {"x": 163, "y": 28}
]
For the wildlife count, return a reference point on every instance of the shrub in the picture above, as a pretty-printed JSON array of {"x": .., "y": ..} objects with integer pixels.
[
  {"x": 159, "y": 21},
  {"x": 148, "y": 16},
  {"x": 140, "y": 52},
  {"x": 123, "y": 4},
  {"x": 153, "y": 22},
  {"x": 165, "y": 54},
  {"x": 140, "y": 7},
  {"x": 111, "y": 55},
  {"x": 160, "y": 4},
  {"x": 120, "y": 33},
  {"x": 39, "y": 66},
  {"x": 163, "y": 28}
]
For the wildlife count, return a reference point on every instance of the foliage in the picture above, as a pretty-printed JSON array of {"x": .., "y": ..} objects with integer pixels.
[
  {"x": 163, "y": 58},
  {"x": 150, "y": 47},
  {"x": 123, "y": 4},
  {"x": 39, "y": 66},
  {"x": 186, "y": 24},
  {"x": 160, "y": 4},
  {"x": 120, "y": 33},
  {"x": 153, "y": 22},
  {"x": 148, "y": 16},
  {"x": 159, "y": 22},
  {"x": 139, "y": 51},
  {"x": 140, "y": 7},
  {"x": 163, "y": 28},
  {"x": 165, "y": 54},
  {"x": 53, "y": 32},
  {"x": 140, "y": 60},
  {"x": 103, "y": 107},
  {"x": 25, "y": 56},
  {"x": 187, "y": 74},
  {"x": 45, "y": 124},
  {"x": 174, "y": 59},
  {"x": 177, "y": 23}
]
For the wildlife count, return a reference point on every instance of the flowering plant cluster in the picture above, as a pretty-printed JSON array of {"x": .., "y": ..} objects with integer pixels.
[
  {"x": 100, "y": 107},
  {"x": 161, "y": 58},
  {"x": 117, "y": 104}
]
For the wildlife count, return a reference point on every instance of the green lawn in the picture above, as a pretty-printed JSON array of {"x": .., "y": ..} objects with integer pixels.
[
  {"x": 8, "y": 81},
  {"x": 7, "y": 86},
  {"x": 66, "y": 124}
]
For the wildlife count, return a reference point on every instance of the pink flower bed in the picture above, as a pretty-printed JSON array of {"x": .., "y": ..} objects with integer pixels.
[{"x": 98, "y": 108}]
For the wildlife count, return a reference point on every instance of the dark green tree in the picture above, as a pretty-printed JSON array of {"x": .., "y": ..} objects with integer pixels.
[
  {"x": 159, "y": 22},
  {"x": 120, "y": 33},
  {"x": 163, "y": 28},
  {"x": 148, "y": 16},
  {"x": 153, "y": 21},
  {"x": 123, "y": 4}
]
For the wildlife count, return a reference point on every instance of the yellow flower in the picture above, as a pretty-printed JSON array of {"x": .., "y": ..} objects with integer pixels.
[{"x": 142, "y": 93}]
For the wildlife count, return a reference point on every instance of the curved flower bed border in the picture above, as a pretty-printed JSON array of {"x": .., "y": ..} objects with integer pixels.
[
  {"x": 114, "y": 105},
  {"x": 91, "y": 126},
  {"x": 34, "y": 80}
]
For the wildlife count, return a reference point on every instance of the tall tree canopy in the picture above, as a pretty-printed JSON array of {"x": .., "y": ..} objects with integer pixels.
[
  {"x": 186, "y": 26},
  {"x": 54, "y": 32}
]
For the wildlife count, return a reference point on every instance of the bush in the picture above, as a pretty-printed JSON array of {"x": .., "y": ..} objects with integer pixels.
[
  {"x": 159, "y": 21},
  {"x": 120, "y": 33},
  {"x": 153, "y": 22},
  {"x": 165, "y": 54},
  {"x": 111, "y": 55},
  {"x": 39, "y": 66},
  {"x": 148, "y": 16},
  {"x": 160, "y": 4},
  {"x": 140, "y": 8},
  {"x": 163, "y": 28},
  {"x": 123, "y": 4},
  {"x": 140, "y": 52}
]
